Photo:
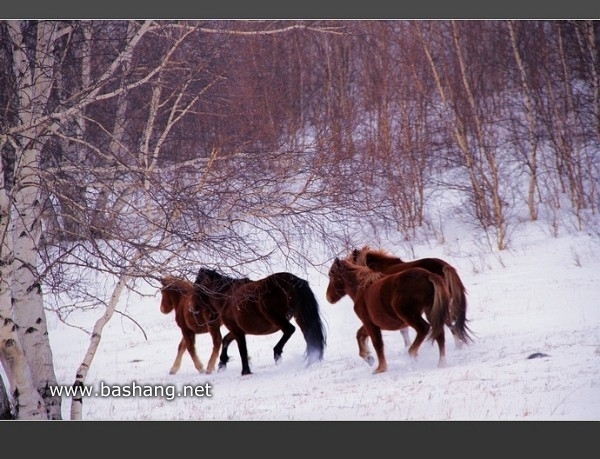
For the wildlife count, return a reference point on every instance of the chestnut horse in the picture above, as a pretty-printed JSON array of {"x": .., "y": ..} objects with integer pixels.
[
  {"x": 178, "y": 295},
  {"x": 380, "y": 261},
  {"x": 261, "y": 307},
  {"x": 391, "y": 302}
]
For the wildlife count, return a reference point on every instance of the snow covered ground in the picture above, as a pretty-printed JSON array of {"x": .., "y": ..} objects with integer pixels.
[{"x": 542, "y": 295}]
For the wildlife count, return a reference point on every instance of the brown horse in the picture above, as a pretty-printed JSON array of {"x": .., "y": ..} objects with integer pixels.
[
  {"x": 179, "y": 295},
  {"x": 262, "y": 307},
  {"x": 380, "y": 261},
  {"x": 391, "y": 302}
]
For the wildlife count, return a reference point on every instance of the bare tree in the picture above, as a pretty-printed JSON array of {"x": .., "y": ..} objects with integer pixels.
[
  {"x": 587, "y": 39},
  {"x": 469, "y": 121},
  {"x": 134, "y": 210},
  {"x": 399, "y": 144},
  {"x": 532, "y": 131},
  {"x": 568, "y": 116},
  {"x": 33, "y": 63}
]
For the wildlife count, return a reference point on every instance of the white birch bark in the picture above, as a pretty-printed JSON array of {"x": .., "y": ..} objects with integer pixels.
[
  {"x": 493, "y": 182},
  {"x": 530, "y": 113},
  {"x": 25, "y": 224},
  {"x": 80, "y": 377},
  {"x": 457, "y": 126},
  {"x": 586, "y": 38},
  {"x": 26, "y": 400},
  {"x": 5, "y": 406}
]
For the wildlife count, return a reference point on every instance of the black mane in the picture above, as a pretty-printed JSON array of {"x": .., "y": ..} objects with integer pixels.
[{"x": 218, "y": 282}]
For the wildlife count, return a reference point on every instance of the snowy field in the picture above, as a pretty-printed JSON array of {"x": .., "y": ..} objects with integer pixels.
[{"x": 541, "y": 296}]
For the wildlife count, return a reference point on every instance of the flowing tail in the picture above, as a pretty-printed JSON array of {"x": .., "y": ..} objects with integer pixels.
[
  {"x": 440, "y": 309},
  {"x": 308, "y": 318},
  {"x": 458, "y": 305}
]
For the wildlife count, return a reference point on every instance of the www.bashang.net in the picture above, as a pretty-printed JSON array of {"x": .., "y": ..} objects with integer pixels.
[{"x": 133, "y": 389}]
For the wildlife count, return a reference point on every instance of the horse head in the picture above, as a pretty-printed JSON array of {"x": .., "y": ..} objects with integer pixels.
[
  {"x": 172, "y": 291},
  {"x": 336, "y": 289}
]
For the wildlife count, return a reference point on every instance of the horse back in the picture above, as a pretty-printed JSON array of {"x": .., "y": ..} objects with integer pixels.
[
  {"x": 412, "y": 285},
  {"x": 283, "y": 286},
  {"x": 285, "y": 281},
  {"x": 402, "y": 294},
  {"x": 259, "y": 307},
  {"x": 434, "y": 265}
]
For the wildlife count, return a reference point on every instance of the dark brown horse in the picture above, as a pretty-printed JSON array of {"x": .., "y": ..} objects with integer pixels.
[
  {"x": 391, "y": 302},
  {"x": 262, "y": 307},
  {"x": 179, "y": 295},
  {"x": 380, "y": 261}
]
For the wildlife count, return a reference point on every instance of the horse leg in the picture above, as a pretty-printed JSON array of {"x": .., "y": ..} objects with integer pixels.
[
  {"x": 288, "y": 330},
  {"x": 377, "y": 340},
  {"x": 215, "y": 333},
  {"x": 441, "y": 341},
  {"x": 224, "y": 358},
  {"x": 177, "y": 362},
  {"x": 422, "y": 328},
  {"x": 190, "y": 342},
  {"x": 240, "y": 338},
  {"x": 363, "y": 347},
  {"x": 405, "y": 337}
]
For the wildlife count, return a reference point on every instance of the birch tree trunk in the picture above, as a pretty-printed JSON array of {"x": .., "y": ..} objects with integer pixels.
[
  {"x": 586, "y": 37},
  {"x": 491, "y": 177},
  {"x": 5, "y": 407},
  {"x": 26, "y": 400},
  {"x": 569, "y": 150},
  {"x": 80, "y": 377},
  {"x": 25, "y": 224},
  {"x": 27, "y": 300},
  {"x": 28, "y": 403},
  {"x": 587, "y": 40},
  {"x": 25, "y": 352},
  {"x": 459, "y": 132},
  {"x": 532, "y": 132}
]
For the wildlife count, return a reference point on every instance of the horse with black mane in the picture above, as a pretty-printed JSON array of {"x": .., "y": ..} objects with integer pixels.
[
  {"x": 381, "y": 261},
  {"x": 179, "y": 295},
  {"x": 392, "y": 302},
  {"x": 261, "y": 307}
]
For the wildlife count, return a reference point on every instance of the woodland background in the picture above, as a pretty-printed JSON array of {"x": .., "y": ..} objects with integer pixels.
[{"x": 134, "y": 148}]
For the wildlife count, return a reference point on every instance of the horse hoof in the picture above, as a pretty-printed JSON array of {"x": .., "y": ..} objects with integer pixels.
[
  {"x": 222, "y": 367},
  {"x": 311, "y": 359},
  {"x": 370, "y": 360},
  {"x": 246, "y": 372},
  {"x": 172, "y": 372}
]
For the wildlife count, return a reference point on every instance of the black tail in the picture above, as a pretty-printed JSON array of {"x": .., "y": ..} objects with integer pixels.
[{"x": 308, "y": 318}]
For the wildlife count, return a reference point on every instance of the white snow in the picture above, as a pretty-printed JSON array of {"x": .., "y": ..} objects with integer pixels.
[{"x": 542, "y": 295}]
